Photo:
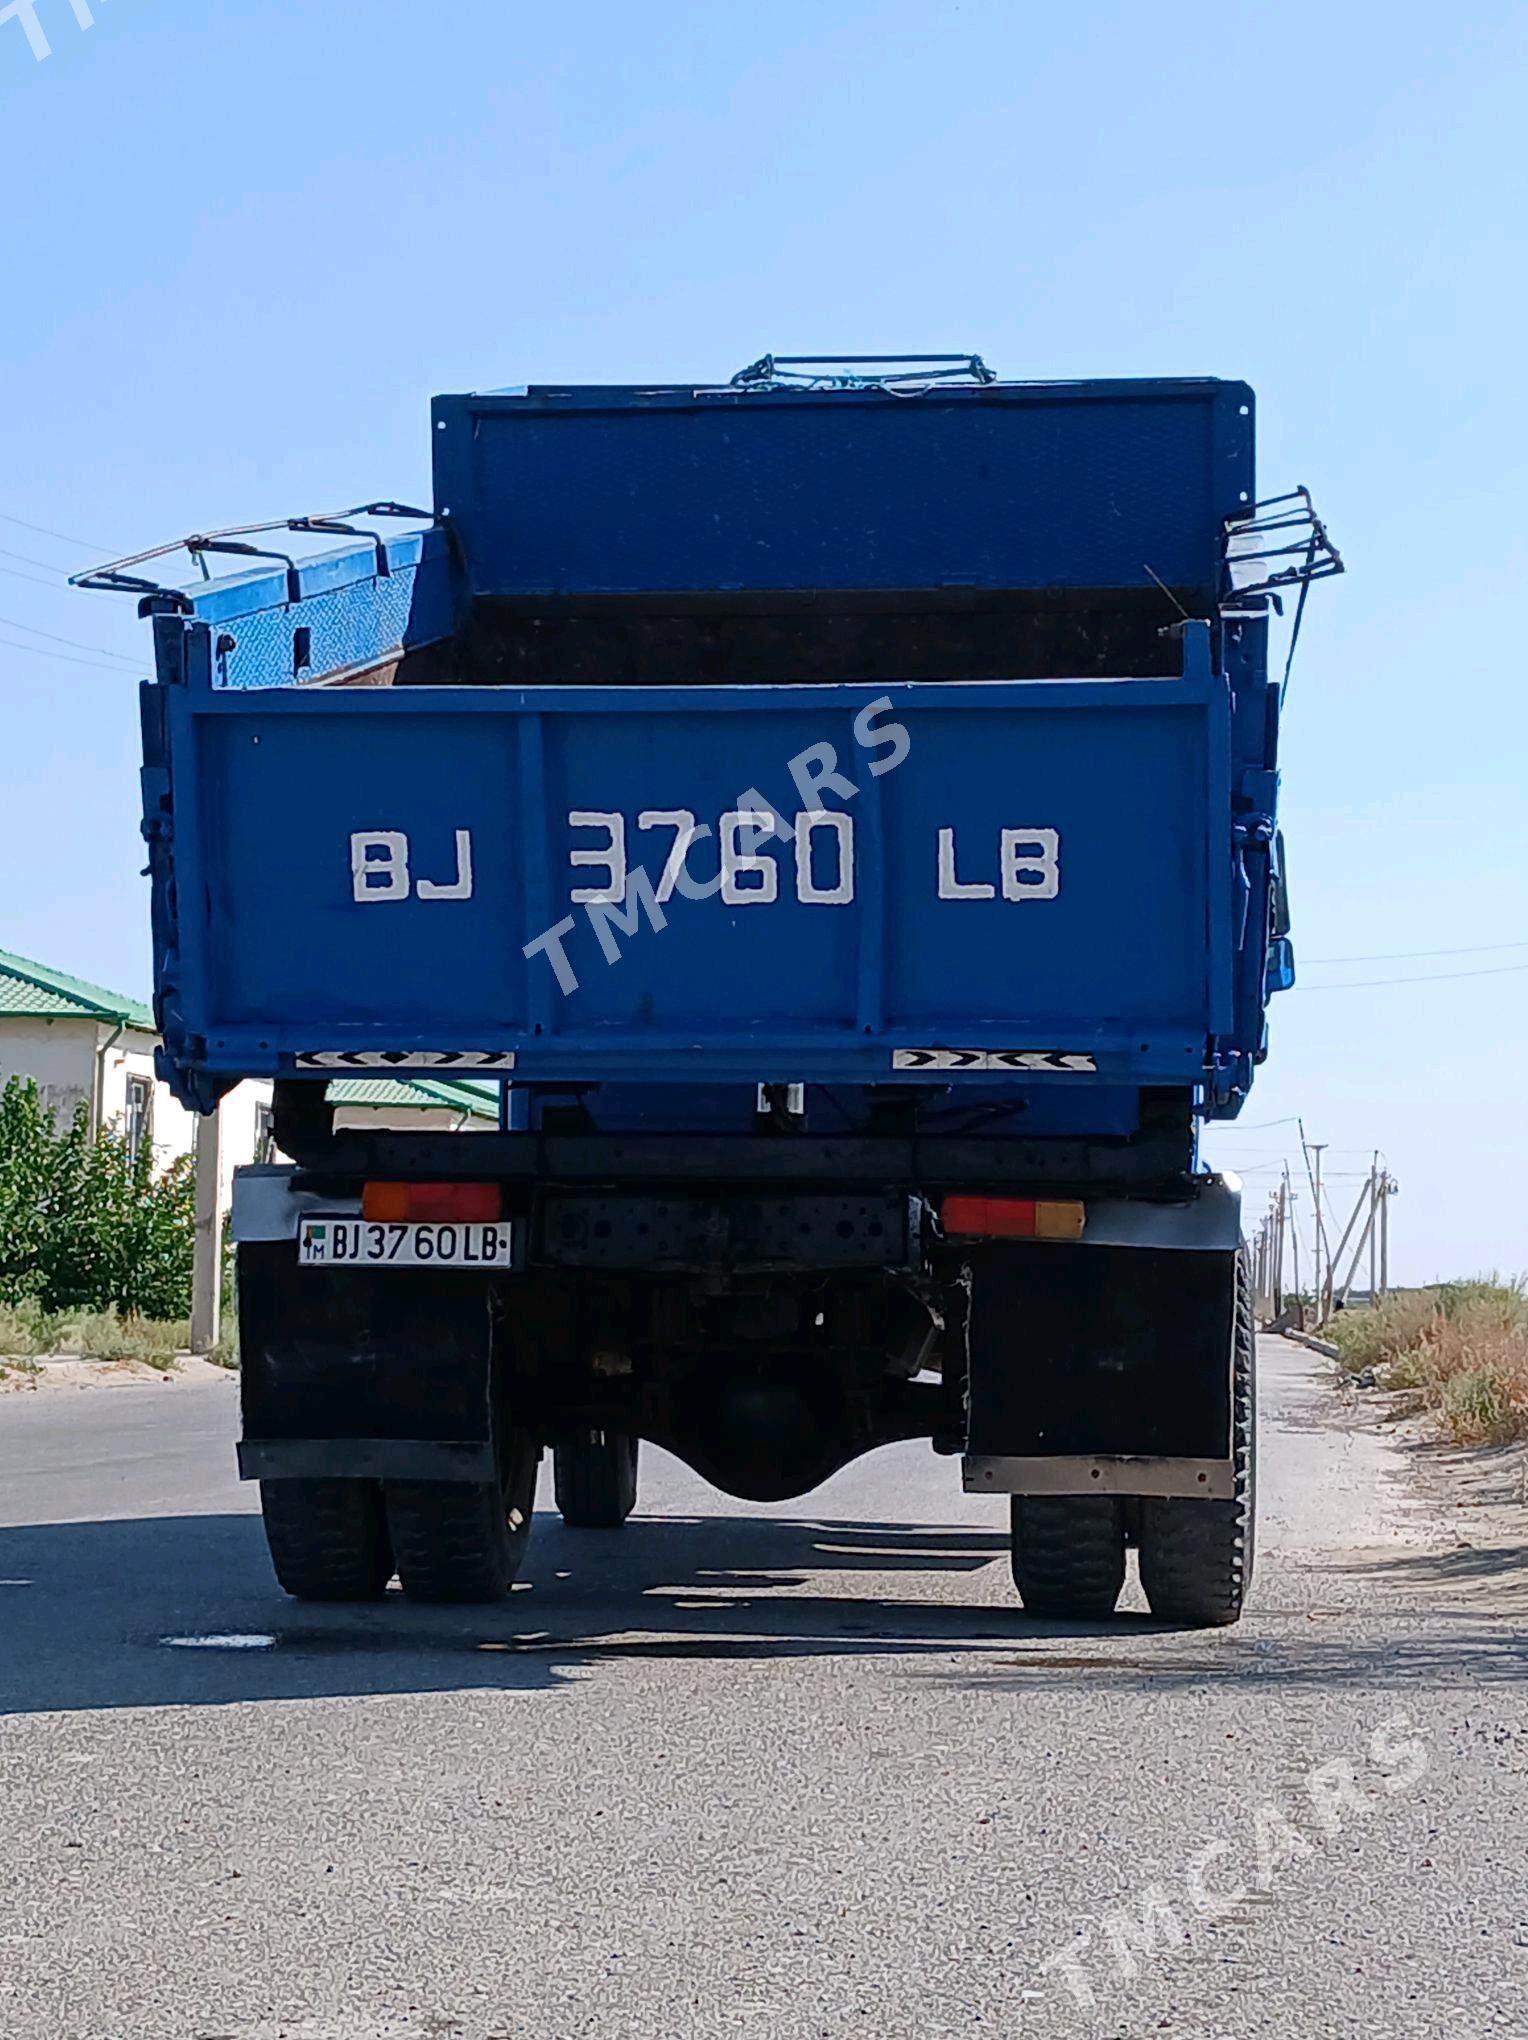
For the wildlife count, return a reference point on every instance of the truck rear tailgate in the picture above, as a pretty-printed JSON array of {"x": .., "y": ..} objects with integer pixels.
[{"x": 1041, "y": 883}]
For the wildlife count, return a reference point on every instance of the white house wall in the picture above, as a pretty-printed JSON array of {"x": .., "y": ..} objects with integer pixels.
[
  {"x": 174, "y": 1126},
  {"x": 68, "y": 1058},
  {"x": 64, "y": 1056},
  {"x": 407, "y": 1119},
  {"x": 59, "y": 1055}
]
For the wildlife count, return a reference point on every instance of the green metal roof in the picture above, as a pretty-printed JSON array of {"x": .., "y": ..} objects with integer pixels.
[
  {"x": 33, "y": 991},
  {"x": 475, "y": 1101}
]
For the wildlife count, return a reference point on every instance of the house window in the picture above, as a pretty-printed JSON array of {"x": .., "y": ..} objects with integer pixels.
[{"x": 139, "y": 1117}]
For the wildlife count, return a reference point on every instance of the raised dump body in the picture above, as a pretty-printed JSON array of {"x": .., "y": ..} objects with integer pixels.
[{"x": 842, "y": 822}]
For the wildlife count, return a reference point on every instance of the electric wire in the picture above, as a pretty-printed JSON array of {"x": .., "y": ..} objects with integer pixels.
[
  {"x": 13, "y": 623},
  {"x": 46, "y": 531},
  {"x": 66, "y": 658},
  {"x": 1437, "y": 977},
  {"x": 1416, "y": 955}
]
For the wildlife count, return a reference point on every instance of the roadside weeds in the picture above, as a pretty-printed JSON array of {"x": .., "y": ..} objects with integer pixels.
[
  {"x": 1460, "y": 1351},
  {"x": 30, "y": 1337}
]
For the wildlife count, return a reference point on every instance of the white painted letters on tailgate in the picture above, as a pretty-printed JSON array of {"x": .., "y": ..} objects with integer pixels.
[
  {"x": 612, "y": 857},
  {"x": 1028, "y": 865},
  {"x": 1031, "y": 864},
  {"x": 743, "y": 829},
  {"x": 379, "y": 864},
  {"x": 379, "y": 869}
]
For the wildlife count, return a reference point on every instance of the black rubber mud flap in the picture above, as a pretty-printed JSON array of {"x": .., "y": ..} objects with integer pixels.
[{"x": 380, "y": 1372}]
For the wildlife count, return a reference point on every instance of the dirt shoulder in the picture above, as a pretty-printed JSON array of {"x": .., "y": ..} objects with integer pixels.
[
  {"x": 1467, "y": 1506},
  {"x": 64, "y": 1373}
]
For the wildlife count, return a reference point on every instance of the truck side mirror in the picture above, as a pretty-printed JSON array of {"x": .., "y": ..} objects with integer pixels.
[
  {"x": 1279, "y": 975},
  {"x": 1278, "y": 890}
]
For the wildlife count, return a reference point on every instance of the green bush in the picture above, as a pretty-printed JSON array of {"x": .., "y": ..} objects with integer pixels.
[
  {"x": 1379, "y": 1337},
  {"x": 84, "y": 1228}
]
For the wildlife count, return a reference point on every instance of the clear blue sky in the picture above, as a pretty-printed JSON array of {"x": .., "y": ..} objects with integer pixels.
[{"x": 243, "y": 245}]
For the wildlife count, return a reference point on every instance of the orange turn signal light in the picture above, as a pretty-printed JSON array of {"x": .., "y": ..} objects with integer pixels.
[
  {"x": 1013, "y": 1218},
  {"x": 433, "y": 1203}
]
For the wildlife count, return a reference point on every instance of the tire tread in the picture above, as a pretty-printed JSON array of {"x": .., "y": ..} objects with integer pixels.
[
  {"x": 1196, "y": 1557},
  {"x": 1068, "y": 1554},
  {"x": 595, "y": 1479},
  {"x": 328, "y": 1539}
]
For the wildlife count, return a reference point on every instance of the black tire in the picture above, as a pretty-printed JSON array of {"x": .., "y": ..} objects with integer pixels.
[
  {"x": 1196, "y": 1556},
  {"x": 462, "y": 1541},
  {"x": 1068, "y": 1554},
  {"x": 594, "y": 1477},
  {"x": 328, "y": 1538}
]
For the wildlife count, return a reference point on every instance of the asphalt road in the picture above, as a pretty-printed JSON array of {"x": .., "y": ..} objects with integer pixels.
[{"x": 795, "y": 1771}]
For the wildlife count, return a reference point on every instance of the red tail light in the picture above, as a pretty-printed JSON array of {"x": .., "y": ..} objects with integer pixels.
[
  {"x": 433, "y": 1203},
  {"x": 1013, "y": 1218}
]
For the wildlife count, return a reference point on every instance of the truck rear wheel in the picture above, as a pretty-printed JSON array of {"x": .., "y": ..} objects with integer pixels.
[
  {"x": 594, "y": 1477},
  {"x": 1068, "y": 1554},
  {"x": 328, "y": 1538},
  {"x": 465, "y": 1540},
  {"x": 1196, "y": 1556}
]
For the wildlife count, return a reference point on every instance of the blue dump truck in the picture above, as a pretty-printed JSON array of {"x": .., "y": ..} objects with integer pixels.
[{"x": 835, "y": 810}]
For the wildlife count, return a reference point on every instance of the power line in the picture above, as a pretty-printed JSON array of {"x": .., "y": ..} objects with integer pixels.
[
  {"x": 27, "y": 560},
  {"x": 45, "y": 531},
  {"x": 37, "y": 580},
  {"x": 67, "y": 658},
  {"x": 1437, "y": 977},
  {"x": 1411, "y": 955},
  {"x": 11, "y": 623}
]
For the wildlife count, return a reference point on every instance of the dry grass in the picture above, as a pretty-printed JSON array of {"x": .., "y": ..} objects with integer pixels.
[
  {"x": 1462, "y": 1346},
  {"x": 102, "y": 1335},
  {"x": 23, "y": 1331},
  {"x": 27, "y": 1333}
]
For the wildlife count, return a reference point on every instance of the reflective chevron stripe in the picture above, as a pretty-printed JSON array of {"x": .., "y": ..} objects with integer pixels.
[
  {"x": 1026, "y": 1060},
  {"x": 447, "y": 1059}
]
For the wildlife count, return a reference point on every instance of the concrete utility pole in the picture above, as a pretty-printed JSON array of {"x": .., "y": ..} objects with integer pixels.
[
  {"x": 1364, "y": 1208},
  {"x": 207, "y": 1257},
  {"x": 1319, "y": 1279},
  {"x": 1336, "y": 1288},
  {"x": 1388, "y": 1188}
]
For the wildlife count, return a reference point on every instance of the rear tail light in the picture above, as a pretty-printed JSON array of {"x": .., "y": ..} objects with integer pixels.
[
  {"x": 433, "y": 1203},
  {"x": 1013, "y": 1218}
]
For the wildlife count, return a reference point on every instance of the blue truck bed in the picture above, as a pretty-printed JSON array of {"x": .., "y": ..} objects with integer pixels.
[{"x": 885, "y": 709}]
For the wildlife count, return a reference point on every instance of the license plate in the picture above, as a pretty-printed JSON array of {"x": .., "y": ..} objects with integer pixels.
[{"x": 364, "y": 1243}]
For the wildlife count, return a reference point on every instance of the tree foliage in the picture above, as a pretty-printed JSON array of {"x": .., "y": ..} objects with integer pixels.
[{"x": 83, "y": 1226}]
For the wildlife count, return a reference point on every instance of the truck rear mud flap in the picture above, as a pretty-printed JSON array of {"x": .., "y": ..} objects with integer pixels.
[
  {"x": 380, "y": 1374},
  {"x": 1103, "y": 1370}
]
